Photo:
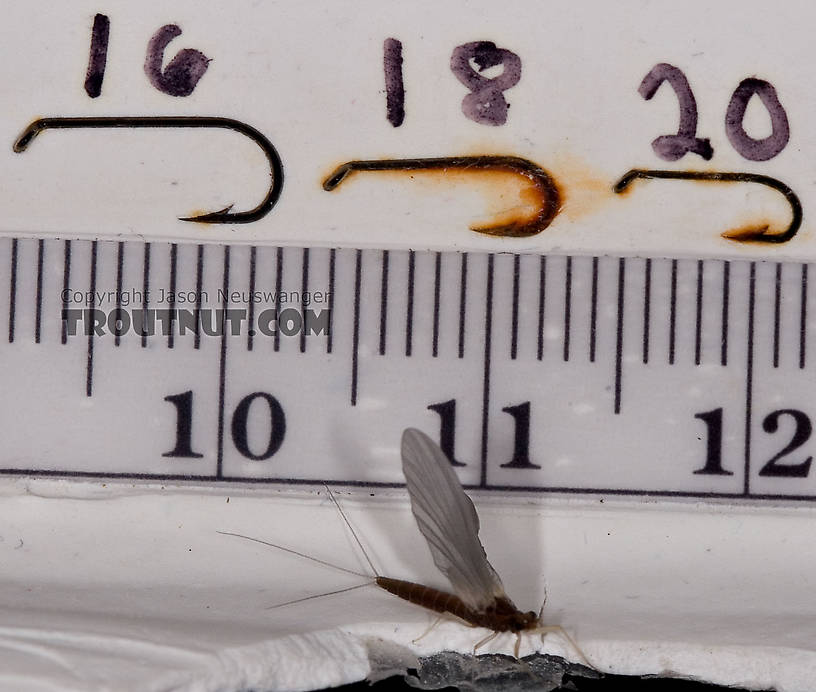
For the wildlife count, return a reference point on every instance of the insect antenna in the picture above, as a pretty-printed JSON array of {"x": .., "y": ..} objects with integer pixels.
[
  {"x": 299, "y": 554},
  {"x": 351, "y": 528}
]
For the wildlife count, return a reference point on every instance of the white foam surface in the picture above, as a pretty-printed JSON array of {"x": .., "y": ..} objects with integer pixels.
[{"x": 122, "y": 587}]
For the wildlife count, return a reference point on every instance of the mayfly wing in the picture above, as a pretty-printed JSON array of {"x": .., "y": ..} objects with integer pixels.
[{"x": 448, "y": 521}]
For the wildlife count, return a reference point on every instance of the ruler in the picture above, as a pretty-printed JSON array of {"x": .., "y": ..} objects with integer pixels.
[
  {"x": 545, "y": 373},
  {"x": 176, "y": 311}
]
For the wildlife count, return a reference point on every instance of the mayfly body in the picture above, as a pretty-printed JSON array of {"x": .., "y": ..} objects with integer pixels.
[{"x": 448, "y": 520}]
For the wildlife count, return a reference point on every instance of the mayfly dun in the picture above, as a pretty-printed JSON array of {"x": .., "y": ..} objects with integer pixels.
[{"x": 447, "y": 519}]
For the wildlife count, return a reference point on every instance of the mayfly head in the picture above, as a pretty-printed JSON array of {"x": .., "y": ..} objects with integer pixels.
[
  {"x": 529, "y": 620},
  {"x": 502, "y": 615}
]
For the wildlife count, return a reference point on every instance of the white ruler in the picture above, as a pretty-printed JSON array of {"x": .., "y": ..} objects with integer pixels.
[{"x": 538, "y": 373}]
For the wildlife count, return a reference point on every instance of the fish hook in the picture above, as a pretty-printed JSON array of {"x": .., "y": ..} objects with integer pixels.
[
  {"x": 760, "y": 234},
  {"x": 159, "y": 122},
  {"x": 541, "y": 180}
]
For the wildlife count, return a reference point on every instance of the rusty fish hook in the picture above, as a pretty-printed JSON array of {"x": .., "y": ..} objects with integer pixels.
[
  {"x": 541, "y": 180},
  {"x": 760, "y": 234},
  {"x": 159, "y": 122}
]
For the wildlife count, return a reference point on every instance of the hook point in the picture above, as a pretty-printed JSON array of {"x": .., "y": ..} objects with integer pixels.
[{"x": 220, "y": 216}]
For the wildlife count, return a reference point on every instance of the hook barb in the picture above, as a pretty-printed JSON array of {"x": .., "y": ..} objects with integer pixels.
[
  {"x": 543, "y": 182},
  {"x": 760, "y": 234},
  {"x": 225, "y": 215}
]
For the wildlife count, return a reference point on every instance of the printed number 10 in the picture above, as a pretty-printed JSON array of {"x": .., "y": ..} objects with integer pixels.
[{"x": 239, "y": 426}]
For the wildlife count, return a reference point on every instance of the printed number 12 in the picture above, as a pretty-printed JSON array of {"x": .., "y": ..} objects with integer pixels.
[{"x": 773, "y": 468}]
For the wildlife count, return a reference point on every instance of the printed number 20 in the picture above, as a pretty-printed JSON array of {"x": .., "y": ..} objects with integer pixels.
[{"x": 685, "y": 141}]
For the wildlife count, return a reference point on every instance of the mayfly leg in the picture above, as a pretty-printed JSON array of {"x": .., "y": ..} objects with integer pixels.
[
  {"x": 444, "y": 617},
  {"x": 430, "y": 628},
  {"x": 545, "y": 629},
  {"x": 489, "y": 638}
]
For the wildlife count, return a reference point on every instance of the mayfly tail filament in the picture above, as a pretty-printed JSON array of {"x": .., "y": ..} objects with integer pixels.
[
  {"x": 319, "y": 595},
  {"x": 351, "y": 528},
  {"x": 295, "y": 552}
]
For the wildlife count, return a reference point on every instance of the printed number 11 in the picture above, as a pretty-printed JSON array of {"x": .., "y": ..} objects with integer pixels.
[{"x": 521, "y": 444}]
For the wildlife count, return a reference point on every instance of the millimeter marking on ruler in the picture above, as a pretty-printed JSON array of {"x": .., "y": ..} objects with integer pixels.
[
  {"x": 803, "y": 317},
  {"x": 488, "y": 336},
  {"x": 66, "y": 283},
  {"x": 120, "y": 260},
  {"x": 39, "y": 298},
  {"x": 462, "y": 304},
  {"x": 222, "y": 366},
  {"x": 647, "y": 307},
  {"x": 92, "y": 293},
  {"x": 12, "y": 290},
  {"x": 404, "y": 307},
  {"x": 619, "y": 342},
  {"x": 726, "y": 288},
  {"x": 383, "y": 302},
  {"x": 356, "y": 326},
  {"x": 146, "y": 287},
  {"x": 749, "y": 377},
  {"x": 383, "y": 324}
]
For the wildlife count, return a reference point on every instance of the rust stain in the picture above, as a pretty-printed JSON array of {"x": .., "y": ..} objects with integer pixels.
[
  {"x": 582, "y": 189},
  {"x": 585, "y": 190},
  {"x": 512, "y": 201},
  {"x": 196, "y": 213},
  {"x": 750, "y": 233}
]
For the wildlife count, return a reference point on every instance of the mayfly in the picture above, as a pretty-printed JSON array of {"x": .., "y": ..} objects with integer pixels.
[{"x": 447, "y": 519}]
